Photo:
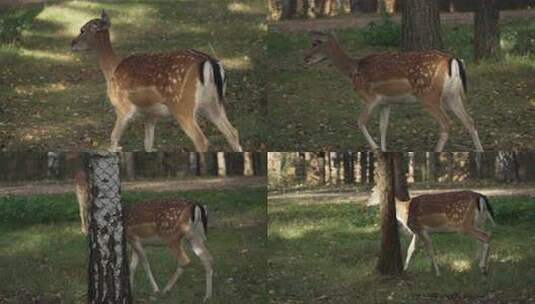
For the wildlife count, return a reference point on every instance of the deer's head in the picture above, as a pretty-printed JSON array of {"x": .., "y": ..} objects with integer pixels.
[
  {"x": 87, "y": 39},
  {"x": 320, "y": 47}
]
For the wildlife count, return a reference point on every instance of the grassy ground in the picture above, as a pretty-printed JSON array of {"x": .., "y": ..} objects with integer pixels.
[
  {"x": 329, "y": 251},
  {"x": 43, "y": 256},
  {"x": 52, "y": 98},
  {"x": 315, "y": 108}
]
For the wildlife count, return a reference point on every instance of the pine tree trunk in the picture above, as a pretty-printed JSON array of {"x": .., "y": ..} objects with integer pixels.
[
  {"x": 420, "y": 25},
  {"x": 389, "y": 262},
  {"x": 108, "y": 261},
  {"x": 487, "y": 36},
  {"x": 506, "y": 167},
  {"x": 349, "y": 177}
]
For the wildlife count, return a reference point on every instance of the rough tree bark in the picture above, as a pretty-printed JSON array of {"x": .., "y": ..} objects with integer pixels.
[
  {"x": 401, "y": 191},
  {"x": 108, "y": 261},
  {"x": 420, "y": 25},
  {"x": 389, "y": 262},
  {"x": 506, "y": 167},
  {"x": 487, "y": 35}
]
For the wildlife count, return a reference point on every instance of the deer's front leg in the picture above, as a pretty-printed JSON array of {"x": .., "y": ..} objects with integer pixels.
[
  {"x": 410, "y": 251},
  {"x": 363, "y": 122},
  {"x": 120, "y": 125},
  {"x": 383, "y": 125},
  {"x": 136, "y": 245},
  {"x": 429, "y": 246}
]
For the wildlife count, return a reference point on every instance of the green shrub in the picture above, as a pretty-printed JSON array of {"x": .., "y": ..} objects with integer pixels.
[
  {"x": 385, "y": 33},
  {"x": 520, "y": 41},
  {"x": 14, "y": 20}
]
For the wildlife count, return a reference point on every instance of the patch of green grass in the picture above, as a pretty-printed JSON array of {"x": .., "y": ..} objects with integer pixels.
[
  {"x": 45, "y": 258},
  {"x": 315, "y": 108},
  {"x": 53, "y": 98},
  {"x": 329, "y": 253}
]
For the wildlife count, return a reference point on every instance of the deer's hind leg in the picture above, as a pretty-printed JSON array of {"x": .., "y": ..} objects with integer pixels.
[
  {"x": 217, "y": 115},
  {"x": 197, "y": 245},
  {"x": 185, "y": 112}
]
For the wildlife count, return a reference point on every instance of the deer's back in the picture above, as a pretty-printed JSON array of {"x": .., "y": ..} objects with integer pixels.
[
  {"x": 166, "y": 219},
  {"x": 450, "y": 209},
  {"x": 162, "y": 71},
  {"x": 417, "y": 68}
]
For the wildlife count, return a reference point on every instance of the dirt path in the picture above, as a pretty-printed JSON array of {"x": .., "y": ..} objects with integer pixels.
[
  {"x": 362, "y": 20},
  {"x": 34, "y": 188},
  {"x": 310, "y": 197}
]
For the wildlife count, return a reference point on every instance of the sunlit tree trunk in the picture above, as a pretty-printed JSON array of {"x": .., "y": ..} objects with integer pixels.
[
  {"x": 389, "y": 262},
  {"x": 248, "y": 164},
  {"x": 108, "y": 261},
  {"x": 221, "y": 166}
]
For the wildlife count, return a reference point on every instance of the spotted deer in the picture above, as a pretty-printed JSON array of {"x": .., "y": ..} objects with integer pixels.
[
  {"x": 464, "y": 212},
  {"x": 81, "y": 187},
  {"x": 435, "y": 79},
  {"x": 180, "y": 83},
  {"x": 168, "y": 222}
]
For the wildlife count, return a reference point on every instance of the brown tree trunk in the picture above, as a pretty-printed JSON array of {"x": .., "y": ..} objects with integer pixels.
[
  {"x": 108, "y": 261},
  {"x": 401, "y": 191},
  {"x": 420, "y": 25},
  {"x": 130, "y": 165},
  {"x": 389, "y": 262},
  {"x": 486, "y": 29}
]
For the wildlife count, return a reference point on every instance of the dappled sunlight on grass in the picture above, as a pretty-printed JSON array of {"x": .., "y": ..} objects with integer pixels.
[
  {"x": 71, "y": 18},
  {"x": 40, "y": 54},
  {"x": 292, "y": 231},
  {"x": 242, "y": 8},
  {"x": 47, "y": 88},
  {"x": 238, "y": 63},
  {"x": 461, "y": 265},
  {"x": 324, "y": 248}
]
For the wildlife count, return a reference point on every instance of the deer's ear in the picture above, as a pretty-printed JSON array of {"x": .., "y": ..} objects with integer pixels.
[{"x": 105, "y": 22}]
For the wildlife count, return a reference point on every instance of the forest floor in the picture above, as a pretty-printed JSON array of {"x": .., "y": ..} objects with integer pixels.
[
  {"x": 314, "y": 108},
  {"x": 362, "y": 20},
  {"x": 43, "y": 255},
  {"x": 53, "y": 98},
  {"x": 328, "y": 251},
  {"x": 162, "y": 185}
]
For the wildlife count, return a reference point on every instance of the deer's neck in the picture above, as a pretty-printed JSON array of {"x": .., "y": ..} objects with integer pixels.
[
  {"x": 341, "y": 59},
  {"x": 107, "y": 59}
]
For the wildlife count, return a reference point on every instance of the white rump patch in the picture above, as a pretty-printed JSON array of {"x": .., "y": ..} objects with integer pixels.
[{"x": 207, "y": 92}]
